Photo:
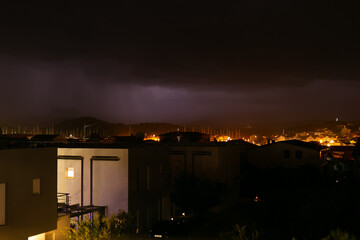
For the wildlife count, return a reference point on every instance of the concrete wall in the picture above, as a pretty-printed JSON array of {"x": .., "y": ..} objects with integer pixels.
[
  {"x": 149, "y": 185},
  {"x": 202, "y": 161},
  {"x": 63, "y": 223},
  {"x": 213, "y": 161},
  {"x": 273, "y": 155},
  {"x": 27, "y": 214},
  {"x": 110, "y": 178},
  {"x": 216, "y": 162},
  {"x": 230, "y": 157},
  {"x": 72, "y": 186}
]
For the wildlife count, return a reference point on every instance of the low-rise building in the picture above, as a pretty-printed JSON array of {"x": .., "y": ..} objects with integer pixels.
[
  {"x": 28, "y": 203},
  {"x": 288, "y": 154},
  {"x": 132, "y": 179},
  {"x": 212, "y": 161}
]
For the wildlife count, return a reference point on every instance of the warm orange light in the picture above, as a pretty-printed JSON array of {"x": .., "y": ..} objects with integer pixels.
[
  {"x": 223, "y": 138},
  {"x": 69, "y": 173},
  {"x": 37, "y": 237},
  {"x": 152, "y": 138}
]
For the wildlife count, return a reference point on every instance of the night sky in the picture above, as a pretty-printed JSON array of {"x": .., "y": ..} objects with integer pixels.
[{"x": 180, "y": 61}]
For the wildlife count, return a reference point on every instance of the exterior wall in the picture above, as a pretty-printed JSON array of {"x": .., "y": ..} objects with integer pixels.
[
  {"x": 216, "y": 162},
  {"x": 220, "y": 162},
  {"x": 273, "y": 155},
  {"x": 63, "y": 222},
  {"x": 149, "y": 185},
  {"x": 110, "y": 178},
  {"x": 356, "y": 170},
  {"x": 201, "y": 161},
  {"x": 230, "y": 156},
  {"x": 72, "y": 186},
  {"x": 27, "y": 214}
]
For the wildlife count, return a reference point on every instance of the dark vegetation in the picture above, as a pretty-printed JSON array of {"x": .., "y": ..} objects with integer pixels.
[
  {"x": 116, "y": 227},
  {"x": 197, "y": 196},
  {"x": 302, "y": 203}
]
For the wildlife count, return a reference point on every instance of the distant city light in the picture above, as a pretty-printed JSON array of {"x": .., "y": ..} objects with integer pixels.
[
  {"x": 222, "y": 138},
  {"x": 152, "y": 137}
]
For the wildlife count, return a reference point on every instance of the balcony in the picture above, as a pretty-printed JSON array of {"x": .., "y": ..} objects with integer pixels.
[
  {"x": 75, "y": 210},
  {"x": 63, "y": 203}
]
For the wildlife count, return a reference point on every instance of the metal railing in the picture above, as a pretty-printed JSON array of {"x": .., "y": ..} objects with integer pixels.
[{"x": 63, "y": 202}]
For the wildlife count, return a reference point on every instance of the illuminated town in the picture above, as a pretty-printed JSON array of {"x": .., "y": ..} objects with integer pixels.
[
  {"x": 340, "y": 134},
  {"x": 127, "y": 172},
  {"x": 199, "y": 120}
]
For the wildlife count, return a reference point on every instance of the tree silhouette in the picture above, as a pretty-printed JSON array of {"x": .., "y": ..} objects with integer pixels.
[{"x": 197, "y": 195}]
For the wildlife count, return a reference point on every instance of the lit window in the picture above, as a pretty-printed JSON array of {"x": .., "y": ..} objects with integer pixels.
[
  {"x": 69, "y": 173},
  {"x": 2, "y": 203},
  {"x": 36, "y": 186}
]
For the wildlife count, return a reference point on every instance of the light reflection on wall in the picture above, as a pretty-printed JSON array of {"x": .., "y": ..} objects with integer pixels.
[{"x": 40, "y": 236}]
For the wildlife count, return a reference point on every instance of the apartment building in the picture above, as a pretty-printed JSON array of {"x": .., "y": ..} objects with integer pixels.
[
  {"x": 28, "y": 203},
  {"x": 288, "y": 154},
  {"x": 122, "y": 178}
]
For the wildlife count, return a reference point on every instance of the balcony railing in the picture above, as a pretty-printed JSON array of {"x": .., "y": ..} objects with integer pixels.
[
  {"x": 63, "y": 203},
  {"x": 75, "y": 210}
]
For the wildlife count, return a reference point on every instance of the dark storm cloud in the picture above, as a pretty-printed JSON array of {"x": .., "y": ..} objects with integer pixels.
[
  {"x": 43, "y": 90},
  {"x": 177, "y": 60},
  {"x": 238, "y": 41}
]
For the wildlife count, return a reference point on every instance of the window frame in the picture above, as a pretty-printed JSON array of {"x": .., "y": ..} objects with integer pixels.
[
  {"x": 67, "y": 170},
  {"x": 36, "y": 189}
]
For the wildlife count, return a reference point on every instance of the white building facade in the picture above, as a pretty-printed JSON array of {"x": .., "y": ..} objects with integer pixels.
[{"x": 94, "y": 176}]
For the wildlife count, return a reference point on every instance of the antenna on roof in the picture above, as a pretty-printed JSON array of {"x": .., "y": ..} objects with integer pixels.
[{"x": 86, "y": 126}]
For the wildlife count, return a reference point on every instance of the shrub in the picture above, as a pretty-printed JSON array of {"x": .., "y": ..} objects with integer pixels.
[{"x": 101, "y": 228}]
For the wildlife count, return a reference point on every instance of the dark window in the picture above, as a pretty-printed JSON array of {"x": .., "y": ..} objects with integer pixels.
[
  {"x": 286, "y": 154},
  {"x": 36, "y": 186},
  {"x": 299, "y": 154},
  {"x": 148, "y": 178},
  {"x": 170, "y": 180},
  {"x": 137, "y": 179}
]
